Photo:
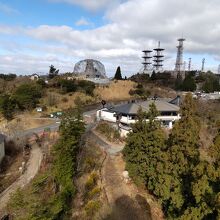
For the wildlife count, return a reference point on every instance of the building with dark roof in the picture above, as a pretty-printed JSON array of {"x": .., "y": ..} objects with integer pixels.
[{"x": 126, "y": 114}]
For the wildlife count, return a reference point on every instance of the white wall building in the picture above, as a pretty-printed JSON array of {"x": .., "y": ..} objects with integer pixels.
[
  {"x": 34, "y": 77},
  {"x": 126, "y": 114}
]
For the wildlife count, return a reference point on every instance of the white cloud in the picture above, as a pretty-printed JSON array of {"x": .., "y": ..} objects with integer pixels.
[
  {"x": 83, "y": 22},
  {"x": 132, "y": 26},
  {"x": 92, "y": 5},
  {"x": 27, "y": 64},
  {"x": 7, "y": 9}
]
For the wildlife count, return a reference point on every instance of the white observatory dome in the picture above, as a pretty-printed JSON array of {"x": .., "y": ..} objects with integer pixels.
[{"x": 90, "y": 68}]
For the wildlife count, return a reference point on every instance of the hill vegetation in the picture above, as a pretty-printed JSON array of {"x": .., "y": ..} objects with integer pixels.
[
  {"x": 19, "y": 94},
  {"x": 116, "y": 90},
  {"x": 50, "y": 194},
  {"x": 208, "y": 81},
  {"x": 172, "y": 168}
]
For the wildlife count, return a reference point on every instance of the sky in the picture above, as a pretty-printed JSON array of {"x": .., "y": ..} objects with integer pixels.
[{"x": 37, "y": 33}]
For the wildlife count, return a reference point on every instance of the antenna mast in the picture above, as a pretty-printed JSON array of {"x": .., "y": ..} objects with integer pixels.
[
  {"x": 158, "y": 58},
  {"x": 203, "y": 64},
  {"x": 179, "y": 57},
  {"x": 147, "y": 60},
  {"x": 190, "y": 63}
]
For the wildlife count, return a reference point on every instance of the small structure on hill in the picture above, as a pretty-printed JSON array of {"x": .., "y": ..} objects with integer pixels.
[
  {"x": 34, "y": 76},
  {"x": 39, "y": 109},
  {"x": 126, "y": 114},
  {"x": 90, "y": 69}
]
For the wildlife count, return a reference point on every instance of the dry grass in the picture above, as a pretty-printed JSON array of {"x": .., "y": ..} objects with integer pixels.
[
  {"x": 117, "y": 90},
  {"x": 11, "y": 172},
  {"x": 23, "y": 122},
  {"x": 65, "y": 101},
  {"x": 160, "y": 91}
]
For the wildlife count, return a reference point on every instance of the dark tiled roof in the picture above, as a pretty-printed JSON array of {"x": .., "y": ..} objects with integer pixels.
[
  {"x": 177, "y": 101},
  {"x": 132, "y": 108}
]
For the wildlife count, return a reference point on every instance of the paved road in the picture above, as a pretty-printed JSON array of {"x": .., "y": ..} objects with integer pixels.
[
  {"x": 111, "y": 149},
  {"x": 28, "y": 133},
  {"x": 32, "y": 168},
  {"x": 53, "y": 126}
]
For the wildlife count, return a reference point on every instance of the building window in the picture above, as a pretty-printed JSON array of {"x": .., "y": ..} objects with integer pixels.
[{"x": 168, "y": 113}]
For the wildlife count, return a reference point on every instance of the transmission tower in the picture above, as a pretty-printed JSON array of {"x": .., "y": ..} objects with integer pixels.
[
  {"x": 203, "y": 64},
  {"x": 147, "y": 61},
  {"x": 179, "y": 57},
  {"x": 184, "y": 66},
  {"x": 189, "y": 65},
  {"x": 158, "y": 58}
]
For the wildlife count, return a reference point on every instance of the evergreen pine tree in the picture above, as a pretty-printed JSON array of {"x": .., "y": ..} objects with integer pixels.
[
  {"x": 184, "y": 138},
  {"x": 7, "y": 106},
  {"x": 144, "y": 145},
  {"x": 172, "y": 170},
  {"x": 153, "y": 76},
  {"x": 118, "y": 75},
  {"x": 188, "y": 84}
]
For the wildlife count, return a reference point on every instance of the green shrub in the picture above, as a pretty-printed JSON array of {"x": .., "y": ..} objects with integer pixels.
[
  {"x": 27, "y": 95},
  {"x": 90, "y": 164},
  {"x": 8, "y": 77},
  {"x": 92, "y": 207},
  {"x": 67, "y": 86},
  {"x": 17, "y": 200},
  {"x": 41, "y": 82},
  {"x": 86, "y": 86},
  {"x": 108, "y": 131},
  {"x": 116, "y": 135},
  {"x": 95, "y": 192},
  {"x": 7, "y": 106},
  {"x": 39, "y": 182},
  {"x": 91, "y": 182}
]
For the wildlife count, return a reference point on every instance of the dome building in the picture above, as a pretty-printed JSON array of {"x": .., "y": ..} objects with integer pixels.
[{"x": 90, "y": 68}]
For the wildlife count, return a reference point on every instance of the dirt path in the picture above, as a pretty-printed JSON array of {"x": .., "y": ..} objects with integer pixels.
[
  {"x": 33, "y": 166},
  {"x": 127, "y": 202}
]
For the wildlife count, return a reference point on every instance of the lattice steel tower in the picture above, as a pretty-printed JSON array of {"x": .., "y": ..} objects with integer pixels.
[
  {"x": 190, "y": 63},
  {"x": 179, "y": 57},
  {"x": 203, "y": 65},
  {"x": 158, "y": 58},
  {"x": 147, "y": 61}
]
